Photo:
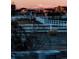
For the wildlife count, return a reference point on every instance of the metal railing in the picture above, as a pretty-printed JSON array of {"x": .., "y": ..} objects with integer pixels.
[
  {"x": 44, "y": 27},
  {"x": 42, "y": 19}
]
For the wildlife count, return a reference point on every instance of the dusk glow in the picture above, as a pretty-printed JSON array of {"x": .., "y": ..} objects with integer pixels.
[{"x": 39, "y": 3}]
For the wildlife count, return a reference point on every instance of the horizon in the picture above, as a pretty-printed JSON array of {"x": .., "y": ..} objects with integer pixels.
[{"x": 39, "y": 3}]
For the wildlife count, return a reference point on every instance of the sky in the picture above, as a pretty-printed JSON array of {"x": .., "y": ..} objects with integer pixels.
[{"x": 39, "y": 3}]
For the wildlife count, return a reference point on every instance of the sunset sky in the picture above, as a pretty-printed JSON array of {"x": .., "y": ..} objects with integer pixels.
[{"x": 39, "y": 3}]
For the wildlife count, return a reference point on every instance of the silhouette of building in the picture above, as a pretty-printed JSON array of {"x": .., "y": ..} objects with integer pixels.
[{"x": 13, "y": 9}]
